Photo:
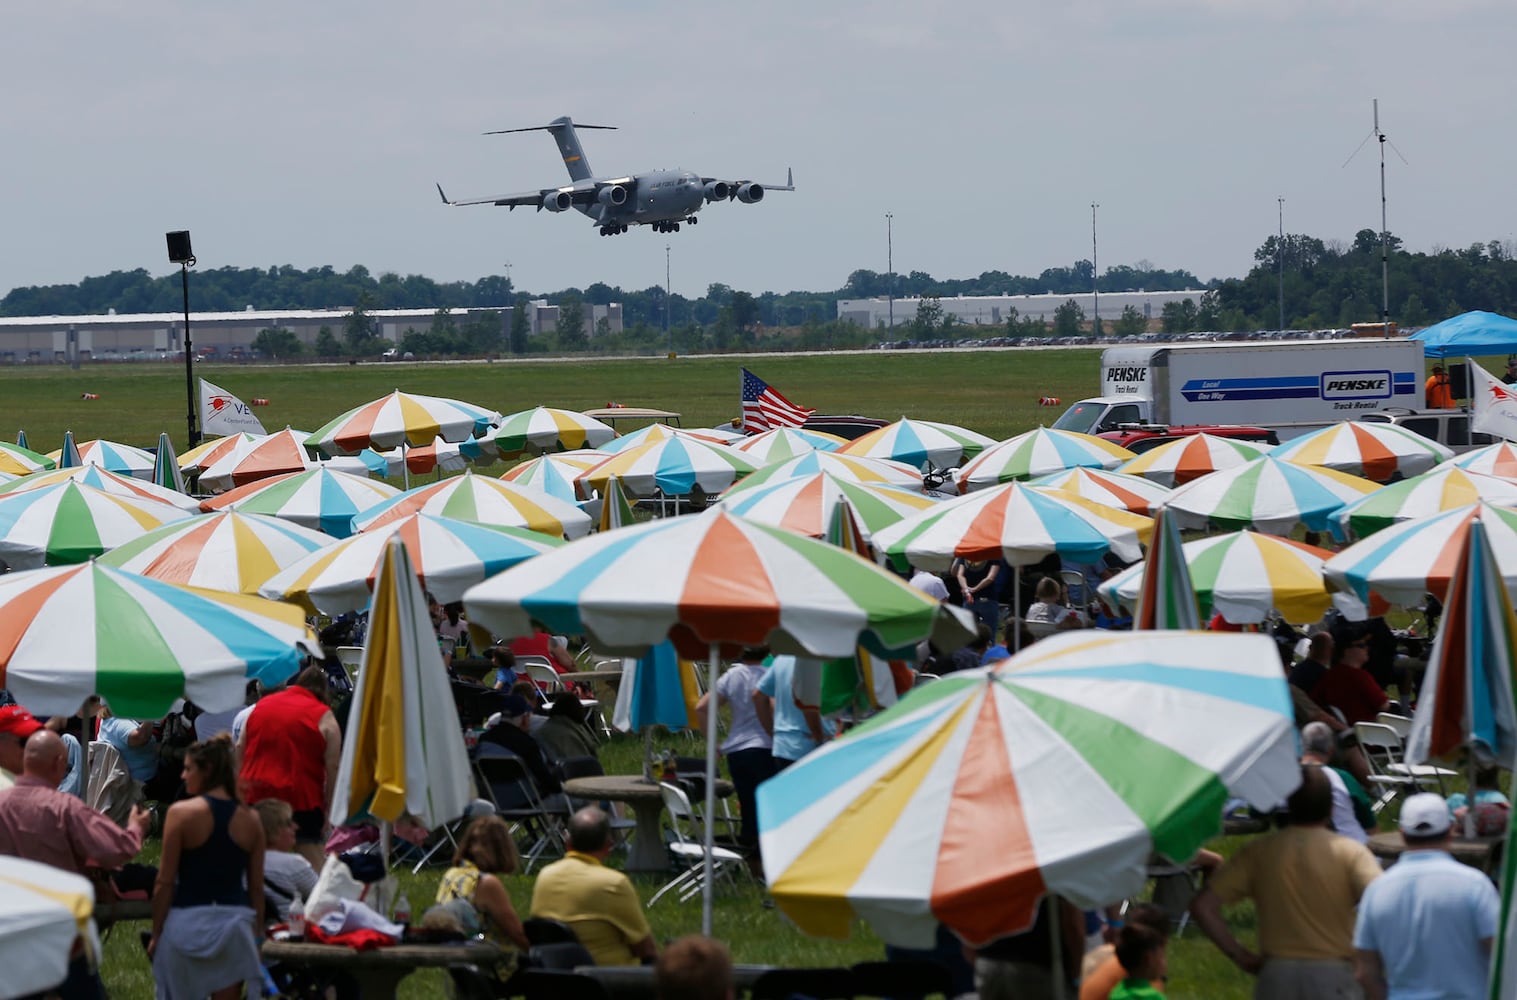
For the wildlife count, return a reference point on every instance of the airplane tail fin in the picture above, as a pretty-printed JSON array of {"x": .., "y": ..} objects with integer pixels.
[{"x": 563, "y": 133}]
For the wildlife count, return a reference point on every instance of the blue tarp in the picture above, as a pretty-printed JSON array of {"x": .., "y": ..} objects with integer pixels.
[{"x": 1471, "y": 334}]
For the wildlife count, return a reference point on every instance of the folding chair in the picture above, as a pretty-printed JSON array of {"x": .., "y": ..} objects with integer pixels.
[
  {"x": 540, "y": 672},
  {"x": 902, "y": 979},
  {"x": 590, "y": 767},
  {"x": 351, "y": 658},
  {"x": 503, "y": 778},
  {"x": 692, "y": 775},
  {"x": 1400, "y": 723},
  {"x": 819, "y": 984},
  {"x": 1388, "y": 770},
  {"x": 687, "y": 848}
]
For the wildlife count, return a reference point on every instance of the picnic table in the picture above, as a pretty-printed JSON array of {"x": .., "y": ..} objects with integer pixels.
[
  {"x": 636, "y": 982},
  {"x": 378, "y": 971},
  {"x": 1483, "y": 853},
  {"x": 646, "y": 853}
]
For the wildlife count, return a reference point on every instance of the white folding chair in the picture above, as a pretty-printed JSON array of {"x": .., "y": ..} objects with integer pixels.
[
  {"x": 540, "y": 672},
  {"x": 1389, "y": 771},
  {"x": 351, "y": 658},
  {"x": 687, "y": 848},
  {"x": 1400, "y": 723}
]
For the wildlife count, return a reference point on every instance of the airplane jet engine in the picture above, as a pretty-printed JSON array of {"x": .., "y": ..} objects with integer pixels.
[
  {"x": 612, "y": 194},
  {"x": 718, "y": 191},
  {"x": 557, "y": 201},
  {"x": 750, "y": 193}
]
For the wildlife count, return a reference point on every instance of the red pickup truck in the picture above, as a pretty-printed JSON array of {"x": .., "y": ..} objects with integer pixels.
[{"x": 1138, "y": 438}]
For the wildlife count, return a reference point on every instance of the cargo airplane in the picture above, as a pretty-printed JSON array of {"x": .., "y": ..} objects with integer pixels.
[{"x": 660, "y": 199}]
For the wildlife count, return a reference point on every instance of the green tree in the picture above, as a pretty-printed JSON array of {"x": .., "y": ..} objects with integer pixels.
[
  {"x": 603, "y": 329},
  {"x": 571, "y": 324},
  {"x": 360, "y": 331},
  {"x": 1178, "y": 317},
  {"x": 744, "y": 310},
  {"x": 1209, "y": 312},
  {"x": 444, "y": 333},
  {"x": 1068, "y": 317},
  {"x": 928, "y": 323},
  {"x": 277, "y": 342},
  {"x": 326, "y": 345},
  {"x": 520, "y": 329},
  {"x": 1131, "y": 323}
]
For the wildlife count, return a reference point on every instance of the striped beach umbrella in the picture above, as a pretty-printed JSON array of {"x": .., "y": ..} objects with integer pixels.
[
  {"x": 141, "y": 644},
  {"x": 1499, "y": 460},
  {"x": 674, "y": 579},
  {"x": 6, "y": 477},
  {"x": 43, "y": 912},
  {"x": 1267, "y": 495},
  {"x": 1243, "y": 576},
  {"x": 450, "y": 456},
  {"x": 319, "y": 499},
  {"x": 207, "y": 452},
  {"x": 229, "y": 551},
  {"x": 919, "y": 443},
  {"x": 484, "y": 500},
  {"x": 1038, "y": 453},
  {"x": 555, "y": 474},
  {"x": 72, "y": 522},
  {"x": 1177, "y": 462},
  {"x": 544, "y": 428},
  {"x": 958, "y": 806},
  {"x": 1021, "y": 524},
  {"x": 615, "y": 511},
  {"x": 166, "y": 472},
  {"x": 783, "y": 443},
  {"x": 122, "y": 459},
  {"x": 100, "y": 479},
  {"x": 18, "y": 460},
  {"x": 403, "y": 753},
  {"x": 1414, "y": 558},
  {"x": 674, "y": 467},
  {"x": 401, "y": 418},
  {"x": 808, "y": 504},
  {"x": 877, "y": 472},
  {"x": 68, "y": 456},
  {"x": 658, "y": 432},
  {"x": 1166, "y": 598},
  {"x": 450, "y": 556},
  {"x": 249, "y": 461},
  {"x": 1429, "y": 493},
  {"x": 1373, "y": 450},
  {"x": 1114, "y": 489}
]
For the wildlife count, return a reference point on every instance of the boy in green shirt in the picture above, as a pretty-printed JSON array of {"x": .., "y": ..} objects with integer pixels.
[{"x": 1141, "y": 951}]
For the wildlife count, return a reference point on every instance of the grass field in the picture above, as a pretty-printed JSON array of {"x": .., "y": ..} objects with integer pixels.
[{"x": 993, "y": 392}]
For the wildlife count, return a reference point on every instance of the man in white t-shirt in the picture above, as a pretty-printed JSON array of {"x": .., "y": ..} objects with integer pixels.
[{"x": 1317, "y": 748}]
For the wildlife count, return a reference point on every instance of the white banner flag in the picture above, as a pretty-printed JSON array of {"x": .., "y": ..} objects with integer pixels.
[
  {"x": 222, "y": 413},
  {"x": 1494, "y": 404}
]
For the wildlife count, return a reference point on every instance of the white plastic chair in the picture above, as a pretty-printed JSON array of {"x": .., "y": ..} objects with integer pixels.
[
  {"x": 687, "y": 848},
  {"x": 1400, "y": 723},
  {"x": 1384, "y": 751}
]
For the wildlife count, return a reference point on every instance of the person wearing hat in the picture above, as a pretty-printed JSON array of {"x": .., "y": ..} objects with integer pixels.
[
  {"x": 1440, "y": 395},
  {"x": 1426, "y": 927},
  {"x": 509, "y": 729},
  {"x": 1511, "y": 370},
  {"x": 16, "y": 724},
  {"x": 1347, "y": 685}
]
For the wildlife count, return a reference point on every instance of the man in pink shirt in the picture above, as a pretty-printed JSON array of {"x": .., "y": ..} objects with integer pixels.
[{"x": 40, "y": 823}]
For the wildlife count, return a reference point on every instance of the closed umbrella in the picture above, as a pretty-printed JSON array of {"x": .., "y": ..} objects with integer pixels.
[
  {"x": 1373, "y": 450},
  {"x": 451, "y": 556},
  {"x": 1166, "y": 598},
  {"x": 1038, "y": 452},
  {"x": 1429, "y": 493},
  {"x": 485, "y": 500},
  {"x": 166, "y": 472},
  {"x": 72, "y": 522},
  {"x": 1062, "y": 770},
  {"x": 920, "y": 443},
  {"x": 403, "y": 753},
  {"x": 544, "y": 428},
  {"x": 615, "y": 511},
  {"x": 319, "y": 499},
  {"x": 229, "y": 551},
  {"x": 43, "y": 911},
  {"x": 141, "y": 644},
  {"x": 68, "y": 455}
]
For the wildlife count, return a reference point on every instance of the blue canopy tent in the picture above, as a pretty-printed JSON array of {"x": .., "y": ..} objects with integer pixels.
[{"x": 1471, "y": 334}]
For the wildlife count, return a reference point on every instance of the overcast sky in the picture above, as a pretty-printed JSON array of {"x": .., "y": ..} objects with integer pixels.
[{"x": 304, "y": 133}]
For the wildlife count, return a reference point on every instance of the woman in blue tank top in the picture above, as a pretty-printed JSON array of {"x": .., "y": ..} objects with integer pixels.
[{"x": 208, "y": 903}]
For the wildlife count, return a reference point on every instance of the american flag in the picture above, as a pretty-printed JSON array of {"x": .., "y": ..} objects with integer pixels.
[{"x": 764, "y": 408}]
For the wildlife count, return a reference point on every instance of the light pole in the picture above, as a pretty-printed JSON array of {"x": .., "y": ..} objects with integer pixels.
[
  {"x": 1095, "y": 271},
  {"x": 668, "y": 290},
  {"x": 890, "y": 268},
  {"x": 1280, "y": 260},
  {"x": 180, "y": 253}
]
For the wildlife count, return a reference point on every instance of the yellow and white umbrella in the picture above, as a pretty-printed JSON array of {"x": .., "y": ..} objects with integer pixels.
[
  {"x": 403, "y": 754},
  {"x": 43, "y": 911}
]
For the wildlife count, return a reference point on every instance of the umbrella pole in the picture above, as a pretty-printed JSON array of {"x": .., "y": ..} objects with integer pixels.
[
  {"x": 648, "y": 754},
  {"x": 710, "y": 829},
  {"x": 1016, "y": 609},
  {"x": 1056, "y": 936},
  {"x": 405, "y": 466}
]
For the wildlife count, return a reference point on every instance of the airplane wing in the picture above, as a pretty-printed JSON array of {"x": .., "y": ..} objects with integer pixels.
[
  {"x": 578, "y": 195},
  {"x": 789, "y": 184}
]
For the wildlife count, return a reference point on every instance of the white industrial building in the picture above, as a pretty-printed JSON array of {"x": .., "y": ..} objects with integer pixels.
[{"x": 994, "y": 310}]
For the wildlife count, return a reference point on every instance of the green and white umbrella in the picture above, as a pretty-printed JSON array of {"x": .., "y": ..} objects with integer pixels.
[
  {"x": 783, "y": 443},
  {"x": 319, "y": 499},
  {"x": 808, "y": 504},
  {"x": 229, "y": 551},
  {"x": 1166, "y": 599},
  {"x": 544, "y": 428},
  {"x": 71, "y": 523},
  {"x": 166, "y": 472},
  {"x": 1442, "y": 489},
  {"x": 102, "y": 479},
  {"x": 674, "y": 466},
  {"x": 1267, "y": 495},
  {"x": 1361, "y": 448},
  {"x": 1039, "y": 452},
  {"x": 141, "y": 644},
  {"x": 615, "y": 510},
  {"x": 919, "y": 443},
  {"x": 484, "y": 500},
  {"x": 1177, "y": 462},
  {"x": 18, "y": 460}
]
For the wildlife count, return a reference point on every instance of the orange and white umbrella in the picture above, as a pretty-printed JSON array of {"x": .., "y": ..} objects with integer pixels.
[
  {"x": 1114, "y": 489},
  {"x": 320, "y": 499},
  {"x": 260, "y": 458},
  {"x": 229, "y": 551},
  {"x": 402, "y": 417},
  {"x": 484, "y": 500},
  {"x": 1373, "y": 450},
  {"x": 102, "y": 479},
  {"x": 1177, "y": 462}
]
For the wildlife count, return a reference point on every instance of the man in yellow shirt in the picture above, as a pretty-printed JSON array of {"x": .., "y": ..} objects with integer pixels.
[
  {"x": 1305, "y": 881},
  {"x": 598, "y": 902}
]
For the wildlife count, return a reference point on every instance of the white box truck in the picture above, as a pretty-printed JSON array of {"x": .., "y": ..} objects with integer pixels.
[{"x": 1291, "y": 387}]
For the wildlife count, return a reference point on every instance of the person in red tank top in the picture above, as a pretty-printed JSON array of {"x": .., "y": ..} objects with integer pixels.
[
  {"x": 291, "y": 747},
  {"x": 540, "y": 643}
]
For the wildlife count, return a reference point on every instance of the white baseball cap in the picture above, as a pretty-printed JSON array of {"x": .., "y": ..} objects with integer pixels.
[{"x": 1425, "y": 815}]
